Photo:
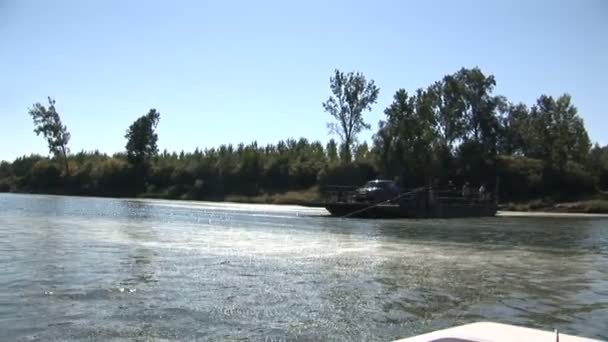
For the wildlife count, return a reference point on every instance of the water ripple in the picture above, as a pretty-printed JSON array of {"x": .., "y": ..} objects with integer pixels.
[{"x": 90, "y": 268}]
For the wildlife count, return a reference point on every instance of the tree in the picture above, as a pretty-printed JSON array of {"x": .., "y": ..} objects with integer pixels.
[
  {"x": 411, "y": 127},
  {"x": 467, "y": 122},
  {"x": 142, "y": 138},
  {"x": 556, "y": 133},
  {"x": 514, "y": 129},
  {"x": 332, "y": 151},
  {"x": 362, "y": 153},
  {"x": 352, "y": 94},
  {"x": 48, "y": 122},
  {"x": 466, "y": 109},
  {"x": 383, "y": 150},
  {"x": 5, "y": 169},
  {"x": 598, "y": 159}
]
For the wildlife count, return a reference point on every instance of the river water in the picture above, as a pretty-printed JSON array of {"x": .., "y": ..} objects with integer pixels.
[{"x": 92, "y": 268}]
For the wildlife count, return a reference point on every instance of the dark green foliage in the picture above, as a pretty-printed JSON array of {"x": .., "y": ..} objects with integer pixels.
[
  {"x": 450, "y": 130},
  {"x": 48, "y": 123},
  {"x": 44, "y": 175},
  {"x": 142, "y": 138},
  {"x": 598, "y": 162},
  {"x": 556, "y": 133},
  {"x": 21, "y": 169},
  {"x": 347, "y": 174},
  {"x": 6, "y": 169},
  {"x": 456, "y": 129},
  {"x": 362, "y": 153},
  {"x": 520, "y": 177},
  {"x": 570, "y": 180},
  {"x": 515, "y": 130},
  {"x": 6, "y": 184},
  {"x": 465, "y": 109},
  {"x": 351, "y": 95},
  {"x": 113, "y": 175},
  {"x": 332, "y": 151},
  {"x": 405, "y": 141}
]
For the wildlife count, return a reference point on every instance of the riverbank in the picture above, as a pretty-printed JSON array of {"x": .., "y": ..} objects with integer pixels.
[
  {"x": 296, "y": 197},
  {"x": 597, "y": 204},
  {"x": 548, "y": 214}
]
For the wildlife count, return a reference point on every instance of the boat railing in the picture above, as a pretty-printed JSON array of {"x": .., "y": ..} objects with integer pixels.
[
  {"x": 345, "y": 194},
  {"x": 338, "y": 193},
  {"x": 452, "y": 196}
]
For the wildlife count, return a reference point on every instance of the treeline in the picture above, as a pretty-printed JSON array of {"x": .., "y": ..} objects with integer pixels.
[
  {"x": 458, "y": 129},
  {"x": 455, "y": 130},
  {"x": 202, "y": 174}
]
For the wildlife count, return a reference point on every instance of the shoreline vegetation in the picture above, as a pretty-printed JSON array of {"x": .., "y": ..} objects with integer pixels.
[
  {"x": 538, "y": 157},
  {"x": 593, "y": 205}
]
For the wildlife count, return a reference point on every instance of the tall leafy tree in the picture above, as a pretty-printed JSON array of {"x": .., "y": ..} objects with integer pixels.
[
  {"x": 383, "y": 149},
  {"x": 468, "y": 125},
  {"x": 352, "y": 94},
  {"x": 410, "y": 127},
  {"x": 48, "y": 123},
  {"x": 142, "y": 138},
  {"x": 466, "y": 110},
  {"x": 557, "y": 133},
  {"x": 514, "y": 128}
]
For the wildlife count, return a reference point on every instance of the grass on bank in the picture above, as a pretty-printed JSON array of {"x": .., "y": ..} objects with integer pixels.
[
  {"x": 289, "y": 197},
  {"x": 591, "y": 206}
]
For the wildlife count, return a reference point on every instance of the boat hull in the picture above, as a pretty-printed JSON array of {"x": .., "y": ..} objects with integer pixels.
[
  {"x": 493, "y": 332},
  {"x": 442, "y": 210}
]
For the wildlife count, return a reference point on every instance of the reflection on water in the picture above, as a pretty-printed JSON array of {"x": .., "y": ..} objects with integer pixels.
[{"x": 88, "y": 268}]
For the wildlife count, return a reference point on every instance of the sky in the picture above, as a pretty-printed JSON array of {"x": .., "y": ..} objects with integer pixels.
[{"x": 238, "y": 71}]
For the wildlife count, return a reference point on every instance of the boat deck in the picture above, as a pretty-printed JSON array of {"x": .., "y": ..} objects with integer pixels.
[{"x": 493, "y": 332}]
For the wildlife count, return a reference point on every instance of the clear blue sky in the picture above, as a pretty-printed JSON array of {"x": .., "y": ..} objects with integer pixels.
[{"x": 232, "y": 71}]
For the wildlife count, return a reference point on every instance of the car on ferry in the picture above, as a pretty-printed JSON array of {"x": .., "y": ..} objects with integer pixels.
[{"x": 377, "y": 190}]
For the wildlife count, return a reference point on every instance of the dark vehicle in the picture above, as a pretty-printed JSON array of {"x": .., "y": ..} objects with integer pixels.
[{"x": 377, "y": 191}]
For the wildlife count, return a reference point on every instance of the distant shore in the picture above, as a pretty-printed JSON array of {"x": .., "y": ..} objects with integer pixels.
[
  {"x": 596, "y": 206},
  {"x": 537, "y": 208}
]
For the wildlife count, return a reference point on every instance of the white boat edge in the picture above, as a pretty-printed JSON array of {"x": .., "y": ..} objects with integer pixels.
[{"x": 493, "y": 332}]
